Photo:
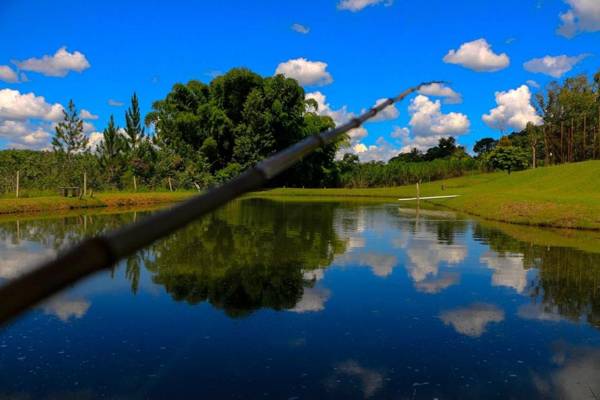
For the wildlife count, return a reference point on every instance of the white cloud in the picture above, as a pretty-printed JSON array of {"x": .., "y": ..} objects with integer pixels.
[
  {"x": 555, "y": 66},
  {"x": 441, "y": 90},
  {"x": 307, "y": 73},
  {"x": 85, "y": 114},
  {"x": 357, "y": 5},
  {"x": 8, "y": 75},
  {"x": 114, "y": 103},
  {"x": 24, "y": 135},
  {"x": 514, "y": 110},
  {"x": 478, "y": 56},
  {"x": 388, "y": 113},
  {"x": 472, "y": 320},
  {"x": 533, "y": 84},
  {"x": 583, "y": 16},
  {"x": 95, "y": 140},
  {"x": 339, "y": 116},
  {"x": 58, "y": 65},
  {"x": 427, "y": 119},
  {"x": 381, "y": 151},
  {"x": 17, "y": 106},
  {"x": 300, "y": 28},
  {"x": 508, "y": 270}
]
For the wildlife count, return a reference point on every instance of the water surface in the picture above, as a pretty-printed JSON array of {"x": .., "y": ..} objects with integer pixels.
[{"x": 306, "y": 300}]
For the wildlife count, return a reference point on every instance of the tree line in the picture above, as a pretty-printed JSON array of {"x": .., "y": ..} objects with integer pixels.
[{"x": 204, "y": 134}]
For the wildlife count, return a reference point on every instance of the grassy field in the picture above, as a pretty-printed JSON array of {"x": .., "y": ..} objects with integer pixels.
[
  {"x": 112, "y": 200},
  {"x": 565, "y": 196}
]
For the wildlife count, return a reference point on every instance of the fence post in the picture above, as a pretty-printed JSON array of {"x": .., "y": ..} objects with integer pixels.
[
  {"x": 17, "y": 185},
  {"x": 84, "y": 183},
  {"x": 134, "y": 184},
  {"x": 170, "y": 186}
]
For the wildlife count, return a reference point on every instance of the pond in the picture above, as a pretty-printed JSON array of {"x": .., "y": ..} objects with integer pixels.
[{"x": 306, "y": 300}]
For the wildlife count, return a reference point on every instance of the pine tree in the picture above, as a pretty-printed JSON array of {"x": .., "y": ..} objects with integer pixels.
[
  {"x": 69, "y": 137},
  {"x": 110, "y": 151},
  {"x": 133, "y": 123}
]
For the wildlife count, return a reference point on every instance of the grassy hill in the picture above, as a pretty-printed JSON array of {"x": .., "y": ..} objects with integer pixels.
[{"x": 564, "y": 196}]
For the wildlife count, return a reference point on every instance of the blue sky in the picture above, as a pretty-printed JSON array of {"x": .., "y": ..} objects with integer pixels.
[{"x": 372, "y": 49}]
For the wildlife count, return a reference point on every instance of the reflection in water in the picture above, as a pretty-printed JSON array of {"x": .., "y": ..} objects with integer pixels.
[
  {"x": 428, "y": 300},
  {"x": 370, "y": 381},
  {"x": 65, "y": 308},
  {"x": 508, "y": 270},
  {"x": 472, "y": 320}
]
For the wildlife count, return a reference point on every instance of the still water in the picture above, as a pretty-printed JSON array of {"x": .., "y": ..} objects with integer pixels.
[{"x": 301, "y": 300}]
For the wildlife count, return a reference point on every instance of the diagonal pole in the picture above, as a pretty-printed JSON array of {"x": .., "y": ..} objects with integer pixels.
[{"x": 102, "y": 252}]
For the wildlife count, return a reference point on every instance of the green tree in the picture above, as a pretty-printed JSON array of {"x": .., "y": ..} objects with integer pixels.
[
  {"x": 484, "y": 145},
  {"x": 69, "y": 137},
  {"x": 133, "y": 123},
  {"x": 507, "y": 158},
  {"x": 111, "y": 153}
]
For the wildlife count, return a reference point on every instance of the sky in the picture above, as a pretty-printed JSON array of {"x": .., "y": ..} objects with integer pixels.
[{"x": 347, "y": 54}]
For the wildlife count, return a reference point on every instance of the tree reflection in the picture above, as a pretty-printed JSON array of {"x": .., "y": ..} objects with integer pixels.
[
  {"x": 249, "y": 255},
  {"x": 568, "y": 280}
]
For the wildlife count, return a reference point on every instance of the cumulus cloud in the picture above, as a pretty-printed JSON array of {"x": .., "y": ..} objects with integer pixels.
[
  {"x": 472, "y": 321},
  {"x": 58, "y": 65},
  {"x": 17, "y": 106},
  {"x": 388, "y": 113},
  {"x": 358, "y": 5},
  {"x": 514, "y": 110},
  {"x": 583, "y": 16},
  {"x": 440, "y": 90},
  {"x": 115, "y": 103},
  {"x": 300, "y": 28},
  {"x": 7, "y": 74},
  {"x": 339, "y": 116},
  {"x": 95, "y": 140},
  {"x": 381, "y": 151},
  {"x": 478, "y": 56},
  {"x": 85, "y": 114},
  {"x": 307, "y": 73},
  {"x": 555, "y": 66},
  {"x": 427, "y": 119}
]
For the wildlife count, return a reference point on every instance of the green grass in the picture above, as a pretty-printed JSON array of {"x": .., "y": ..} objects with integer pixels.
[
  {"x": 565, "y": 196},
  {"x": 110, "y": 199}
]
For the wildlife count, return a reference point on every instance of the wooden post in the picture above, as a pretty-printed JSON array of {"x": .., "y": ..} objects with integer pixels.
[
  {"x": 170, "y": 185},
  {"x": 134, "y": 184},
  {"x": 84, "y": 183},
  {"x": 584, "y": 134},
  {"x": 418, "y": 192},
  {"x": 562, "y": 131},
  {"x": 17, "y": 185}
]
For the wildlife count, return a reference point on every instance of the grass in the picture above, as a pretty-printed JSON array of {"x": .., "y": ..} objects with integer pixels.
[
  {"x": 565, "y": 196},
  {"x": 111, "y": 199}
]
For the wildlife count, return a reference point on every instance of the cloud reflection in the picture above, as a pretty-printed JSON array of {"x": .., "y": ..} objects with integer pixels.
[
  {"x": 472, "y": 320},
  {"x": 313, "y": 300},
  {"x": 371, "y": 381},
  {"x": 508, "y": 270},
  {"x": 65, "y": 309}
]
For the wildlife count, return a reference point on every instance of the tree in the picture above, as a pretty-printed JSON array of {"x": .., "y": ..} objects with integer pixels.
[
  {"x": 445, "y": 148},
  {"x": 484, "y": 145},
  {"x": 111, "y": 152},
  {"x": 69, "y": 137},
  {"x": 507, "y": 158},
  {"x": 533, "y": 136},
  {"x": 133, "y": 123}
]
